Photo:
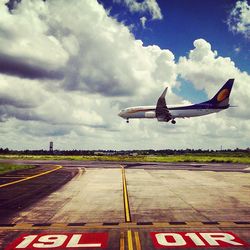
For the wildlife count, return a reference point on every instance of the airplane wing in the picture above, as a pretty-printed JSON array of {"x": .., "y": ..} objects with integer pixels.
[{"x": 162, "y": 112}]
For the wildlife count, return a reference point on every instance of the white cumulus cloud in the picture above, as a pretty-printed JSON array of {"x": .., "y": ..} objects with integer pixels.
[
  {"x": 77, "y": 67},
  {"x": 143, "y": 21},
  {"x": 206, "y": 70},
  {"x": 239, "y": 18},
  {"x": 150, "y": 6}
]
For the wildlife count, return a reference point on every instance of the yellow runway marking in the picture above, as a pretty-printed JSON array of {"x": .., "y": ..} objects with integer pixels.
[
  {"x": 30, "y": 177},
  {"x": 122, "y": 242},
  {"x": 122, "y": 226},
  {"x": 137, "y": 241},
  {"x": 130, "y": 240},
  {"x": 125, "y": 196}
]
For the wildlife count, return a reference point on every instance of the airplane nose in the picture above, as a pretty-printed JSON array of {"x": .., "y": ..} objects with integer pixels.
[{"x": 120, "y": 113}]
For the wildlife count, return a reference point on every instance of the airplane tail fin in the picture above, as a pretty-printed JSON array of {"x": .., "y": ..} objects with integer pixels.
[{"x": 221, "y": 99}]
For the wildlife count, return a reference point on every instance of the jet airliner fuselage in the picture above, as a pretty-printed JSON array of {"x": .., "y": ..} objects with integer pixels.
[{"x": 165, "y": 113}]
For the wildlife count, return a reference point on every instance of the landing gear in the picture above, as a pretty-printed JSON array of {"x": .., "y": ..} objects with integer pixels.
[
  {"x": 127, "y": 121},
  {"x": 173, "y": 121}
]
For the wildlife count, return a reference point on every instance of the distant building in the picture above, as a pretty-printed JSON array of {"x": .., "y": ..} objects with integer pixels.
[
  {"x": 51, "y": 146},
  {"x": 133, "y": 154}
]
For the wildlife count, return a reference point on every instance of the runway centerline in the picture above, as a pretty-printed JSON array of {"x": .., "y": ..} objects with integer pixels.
[{"x": 125, "y": 197}]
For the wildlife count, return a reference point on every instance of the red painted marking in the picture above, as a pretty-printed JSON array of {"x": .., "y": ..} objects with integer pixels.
[
  {"x": 60, "y": 241},
  {"x": 196, "y": 239}
]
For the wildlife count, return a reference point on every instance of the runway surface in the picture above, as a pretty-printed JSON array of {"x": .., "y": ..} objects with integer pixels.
[{"x": 128, "y": 201}]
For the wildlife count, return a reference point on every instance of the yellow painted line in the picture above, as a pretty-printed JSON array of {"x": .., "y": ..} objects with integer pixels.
[
  {"x": 30, "y": 177},
  {"x": 22, "y": 226},
  {"x": 195, "y": 224},
  {"x": 130, "y": 240},
  {"x": 124, "y": 226},
  {"x": 58, "y": 225},
  {"x": 122, "y": 241},
  {"x": 125, "y": 197},
  {"x": 137, "y": 241}
]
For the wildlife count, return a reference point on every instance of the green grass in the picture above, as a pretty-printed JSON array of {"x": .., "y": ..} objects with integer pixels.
[
  {"x": 230, "y": 157},
  {"x": 6, "y": 167},
  {"x": 201, "y": 159}
]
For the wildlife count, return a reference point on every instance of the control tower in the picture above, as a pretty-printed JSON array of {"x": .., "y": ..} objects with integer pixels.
[{"x": 51, "y": 147}]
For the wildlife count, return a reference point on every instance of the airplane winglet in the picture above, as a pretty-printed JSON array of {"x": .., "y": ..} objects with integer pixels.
[
  {"x": 161, "y": 101},
  {"x": 164, "y": 93}
]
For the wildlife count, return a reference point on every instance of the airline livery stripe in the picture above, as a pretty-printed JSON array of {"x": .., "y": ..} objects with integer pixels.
[
  {"x": 192, "y": 107},
  {"x": 140, "y": 110}
]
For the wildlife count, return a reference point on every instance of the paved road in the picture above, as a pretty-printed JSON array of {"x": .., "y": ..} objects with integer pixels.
[{"x": 161, "y": 198}]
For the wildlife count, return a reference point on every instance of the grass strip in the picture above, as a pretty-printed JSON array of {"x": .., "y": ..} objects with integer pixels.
[
  {"x": 6, "y": 167},
  {"x": 201, "y": 158}
]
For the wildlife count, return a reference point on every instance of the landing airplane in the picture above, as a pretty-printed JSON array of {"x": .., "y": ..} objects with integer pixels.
[{"x": 165, "y": 113}]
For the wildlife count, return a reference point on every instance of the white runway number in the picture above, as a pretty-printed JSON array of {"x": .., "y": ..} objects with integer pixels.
[
  {"x": 196, "y": 239},
  {"x": 60, "y": 241}
]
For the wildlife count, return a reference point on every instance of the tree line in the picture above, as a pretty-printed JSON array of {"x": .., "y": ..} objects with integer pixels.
[{"x": 120, "y": 152}]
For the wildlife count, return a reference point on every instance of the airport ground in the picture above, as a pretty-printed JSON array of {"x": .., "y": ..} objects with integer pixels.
[{"x": 128, "y": 201}]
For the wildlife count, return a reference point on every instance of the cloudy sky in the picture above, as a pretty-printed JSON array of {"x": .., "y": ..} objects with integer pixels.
[{"x": 68, "y": 67}]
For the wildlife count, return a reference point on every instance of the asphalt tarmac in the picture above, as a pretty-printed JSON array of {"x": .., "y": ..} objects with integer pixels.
[{"x": 129, "y": 202}]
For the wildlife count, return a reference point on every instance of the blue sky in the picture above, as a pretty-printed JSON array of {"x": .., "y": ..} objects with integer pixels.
[
  {"x": 81, "y": 64},
  {"x": 183, "y": 22}
]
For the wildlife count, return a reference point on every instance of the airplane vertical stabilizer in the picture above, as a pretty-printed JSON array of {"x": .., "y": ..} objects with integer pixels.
[{"x": 221, "y": 99}]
